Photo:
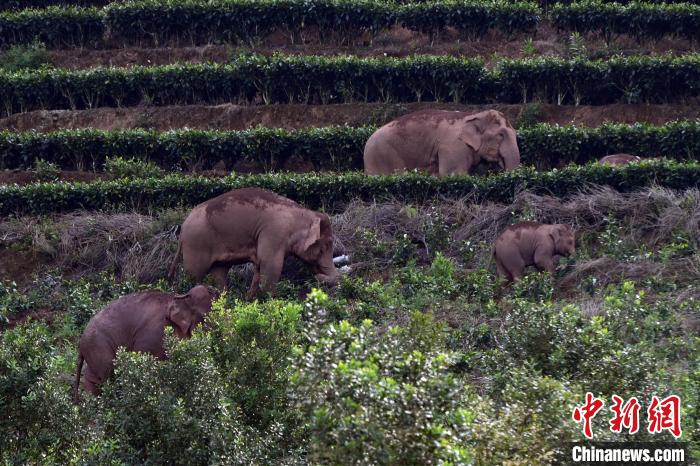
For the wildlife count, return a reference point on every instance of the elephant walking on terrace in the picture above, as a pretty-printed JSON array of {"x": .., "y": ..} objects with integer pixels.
[
  {"x": 442, "y": 142},
  {"x": 258, "y": 226},
  {"x": 530, "y": 243},
  {"x": 137, "y": 322}
]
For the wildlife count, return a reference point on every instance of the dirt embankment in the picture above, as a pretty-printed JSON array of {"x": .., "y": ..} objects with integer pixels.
[
  {"x": 397, "y": 42},
  {"x": 292, "y": 116}
]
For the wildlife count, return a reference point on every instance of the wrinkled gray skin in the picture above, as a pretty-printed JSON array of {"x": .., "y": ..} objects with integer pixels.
[
  {"x": 619, "y": 159},
  {"x": 137, "y": 322},
  {"x": 258, "y": 226},
  {"x": 442, "y": 142},
  {"x": 529, "y": 243}
]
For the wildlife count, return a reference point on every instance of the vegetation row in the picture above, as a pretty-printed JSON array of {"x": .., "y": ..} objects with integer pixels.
[
  {"x": 331, "y": 190},
  {"x": 196, "y": 22},
  {"x": 255, "y": 79},
  {"x": 21, "y": 4},
  {"x": 338, "y": 148},
  {"x": 346, "y": 21}
]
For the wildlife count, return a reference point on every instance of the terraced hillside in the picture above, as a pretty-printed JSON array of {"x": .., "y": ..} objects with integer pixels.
[{"x": 116, "y": 118}]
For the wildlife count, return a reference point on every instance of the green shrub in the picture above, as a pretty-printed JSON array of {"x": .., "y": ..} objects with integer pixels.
[
  {"x": 371, "y": 398},
  {"x": 131, "y": 168},
  {"x": 315, "y": 190},
  {"x": 251, "y": 344},
  {"x": 55, "y": 26},
  {"x": 530, "y": 115},
  {"x": 25, "y": 57},
  {"x": 642, "y": 19},
  {"x": 12, "y": 301},
  {"x": 530, "y": 423},
  {"x": 343, "y": 79},
  {"x": 46, "y": 171},
  {"x": 171, "y": 412},
  {"x": 24, "y": 358},
  {"x": 335, "y": 148}
]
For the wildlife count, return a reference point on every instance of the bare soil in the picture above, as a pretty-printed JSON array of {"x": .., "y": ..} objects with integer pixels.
[
  {"x": 235, "y": 117},
  {"x": 22, "y": 177},
  {"x": 397, "y": 42},
  {"x": 18, "y": 266}
]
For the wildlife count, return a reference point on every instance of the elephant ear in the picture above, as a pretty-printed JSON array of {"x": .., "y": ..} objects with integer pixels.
[
  {"x": 471, "y": 132},
  {"x": 313, "y": 235},
  {"x": 555, "y": 232},
  {"x": 181, "y": 315}
]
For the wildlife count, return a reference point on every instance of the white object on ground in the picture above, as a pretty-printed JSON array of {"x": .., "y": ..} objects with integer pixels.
[{"x": 341, "y": 259}]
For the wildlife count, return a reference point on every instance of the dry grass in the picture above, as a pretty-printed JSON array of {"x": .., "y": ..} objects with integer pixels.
[{"x": 141, "y": 247}]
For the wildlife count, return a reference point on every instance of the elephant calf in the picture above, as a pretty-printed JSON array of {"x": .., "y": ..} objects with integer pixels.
[
  {"x": 137, "y": 322},
  {"x": 619, "y": 159},
  {"x": 258, "y": 226},
  {"x": 530, "y": 243}
]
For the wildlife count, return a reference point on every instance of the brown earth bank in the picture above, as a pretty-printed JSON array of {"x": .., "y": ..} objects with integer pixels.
[
  {"x": 235, "y": 117},
  {"x": 398, "y": 42},
  {"x": 22, "y": 177},
  {"x": 25, "y": 177}
]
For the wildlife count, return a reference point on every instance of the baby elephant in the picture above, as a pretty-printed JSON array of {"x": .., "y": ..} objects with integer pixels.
[
  {"x": 530, "y": 243},
  {"x": 137, "y": 322},
  {"x": 258, "y": 226},
  {"x": 619, "y": 159}
]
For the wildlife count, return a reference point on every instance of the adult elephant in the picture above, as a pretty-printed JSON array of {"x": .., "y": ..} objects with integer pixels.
[
  {"x": 137, "y": 322},
  {"x": 442, "y": 142},
  {"x": 258, "y": 226}
]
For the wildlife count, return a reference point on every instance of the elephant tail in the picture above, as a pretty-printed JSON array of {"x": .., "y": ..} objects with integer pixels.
[
  {"x": 79, "y": 369},
  {"x": 173, "y": 266}
]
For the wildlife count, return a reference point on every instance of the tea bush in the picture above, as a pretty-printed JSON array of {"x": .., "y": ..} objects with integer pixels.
[
  {"x": 343, "y": 79},
  {"x": 336, "y": 148}
]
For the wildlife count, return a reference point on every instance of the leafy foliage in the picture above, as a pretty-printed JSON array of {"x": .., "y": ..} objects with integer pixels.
[
  {"x": 314, "y": 79},
  {"x": 642, "y": 19},
  {"x": 22, "y": 57},
  {"x": 315, "y": 190},
  {"x": 55, "y": 26},
  {"x": 337, "y": 148}
]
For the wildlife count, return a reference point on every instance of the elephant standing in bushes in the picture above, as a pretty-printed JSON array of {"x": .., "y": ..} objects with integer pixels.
[
  {"x": 442, "y": 142},
  {"x": 258, "y": 226},
  {"x": 137, "y": 322},
  {"x": 530, "y": 243},
  {"x": 619, "y": 159}
]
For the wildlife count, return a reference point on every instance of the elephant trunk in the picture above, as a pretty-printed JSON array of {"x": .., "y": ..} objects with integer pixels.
[
  {"x": 510, "y": 152},
  {"x": 327, "y": 272}
]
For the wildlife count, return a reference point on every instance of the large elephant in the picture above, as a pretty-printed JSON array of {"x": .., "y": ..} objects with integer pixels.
[
  {"x": 258, "y": 226},
  {"x": 137, "y": 322},
  {"x": 530, "y": 243},
  {"x": 442, "y": 142},
  {"x": 619, "y": 159}
]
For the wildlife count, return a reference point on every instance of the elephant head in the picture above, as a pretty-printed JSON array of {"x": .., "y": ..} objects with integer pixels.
[
  {"x": 563, "y": 238},
  {"x": 187, "y": 310},
  {"x": 492, "y": 138},
  {"x": 316, "y": 249}
]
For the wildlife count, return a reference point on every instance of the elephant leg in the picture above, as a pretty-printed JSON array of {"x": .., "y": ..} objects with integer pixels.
[
  {"x": 543, "y": 259},
  {"x": 503, "y": 271},
  {"x": 253, "y": 290},
  {"x": 270, "y": 270},
  {"x": 220, "y": 274},
  {"x": 91, "y": 381},
  {"x": 454, "y": 159},
  {"x": 518, "y": 274}
]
